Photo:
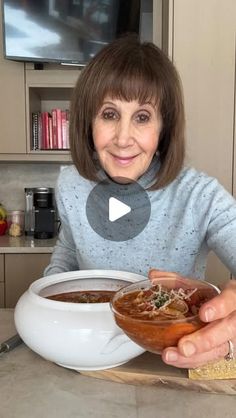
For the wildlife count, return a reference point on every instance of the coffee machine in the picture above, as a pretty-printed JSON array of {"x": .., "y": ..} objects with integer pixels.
[{"x": 40, "y": 213}]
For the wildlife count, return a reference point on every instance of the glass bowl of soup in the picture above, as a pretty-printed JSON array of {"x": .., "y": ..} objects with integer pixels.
[
  {"x": 157, "y": 314},
  {"x": 66, "y": 318}
]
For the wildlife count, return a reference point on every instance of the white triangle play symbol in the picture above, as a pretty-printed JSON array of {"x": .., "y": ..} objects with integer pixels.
[{"x": 117, "y": 209}]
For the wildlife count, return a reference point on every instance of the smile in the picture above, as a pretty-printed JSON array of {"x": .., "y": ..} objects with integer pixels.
[{"x": 124, "y": 161}]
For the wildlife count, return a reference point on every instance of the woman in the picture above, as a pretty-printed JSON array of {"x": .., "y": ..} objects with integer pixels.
[{"x": 127, "y": 124}]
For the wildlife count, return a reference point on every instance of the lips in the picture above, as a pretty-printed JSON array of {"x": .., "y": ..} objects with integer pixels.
[{"x": 124, "y": 160}]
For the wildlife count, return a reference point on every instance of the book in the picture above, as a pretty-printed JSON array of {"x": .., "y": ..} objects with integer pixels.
[
  {"x": 50, "y": 131},
  {"x": 34, "y": 136},
  {"x": 59, "y": 129},
  {"x": 67, "y": 128},
  {"x": 54, "y": 129},
  {"x": 64, "y": 129},
  {"x": 45, "y": 131},
  {"x": 39, "y": 130}
]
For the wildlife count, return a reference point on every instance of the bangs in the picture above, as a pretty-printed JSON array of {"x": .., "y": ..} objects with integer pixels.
[{"x": 129, "y": 84}]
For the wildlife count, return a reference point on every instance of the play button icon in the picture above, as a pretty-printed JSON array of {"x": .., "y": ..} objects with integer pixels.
[
  {"x": 118, "y": 212},
  {"x": 117, "y": 209}
]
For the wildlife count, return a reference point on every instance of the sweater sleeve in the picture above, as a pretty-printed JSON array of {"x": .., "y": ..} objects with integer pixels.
[
  {"x": 215, "y": 210},
  {"x": 64, "y": 254}
]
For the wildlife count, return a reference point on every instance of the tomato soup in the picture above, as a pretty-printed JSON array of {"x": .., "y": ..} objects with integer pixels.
[
  {"x": 84, "y": 296},
  {"x": 157, "y": 317}
]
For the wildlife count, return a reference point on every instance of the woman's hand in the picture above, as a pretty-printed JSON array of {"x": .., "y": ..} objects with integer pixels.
[{"x": 211, "y": 342}]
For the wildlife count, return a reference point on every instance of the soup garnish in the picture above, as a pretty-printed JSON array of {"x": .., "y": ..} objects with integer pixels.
[
  {"x": 84, "y": 296},
  {"x": 160, "y": 303}
]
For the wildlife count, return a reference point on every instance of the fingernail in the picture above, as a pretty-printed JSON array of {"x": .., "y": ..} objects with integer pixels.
[
  {"x": 171, "y": 356},
  {"x": 188, "y": 349},
  {"x": 209, "y": 314}
]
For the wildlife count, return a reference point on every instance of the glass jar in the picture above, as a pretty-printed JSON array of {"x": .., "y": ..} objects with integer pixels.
[{"x": 15, "y": 220}]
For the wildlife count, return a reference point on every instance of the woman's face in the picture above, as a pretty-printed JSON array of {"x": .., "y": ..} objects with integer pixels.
[{"x": 126, "y": 136}]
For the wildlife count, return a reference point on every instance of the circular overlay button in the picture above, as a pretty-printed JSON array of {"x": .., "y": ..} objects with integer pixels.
[{"x": 118, "y": 212}]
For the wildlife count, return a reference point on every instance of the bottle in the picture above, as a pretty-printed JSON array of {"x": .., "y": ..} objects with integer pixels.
[{"x": 15, "y": 223}]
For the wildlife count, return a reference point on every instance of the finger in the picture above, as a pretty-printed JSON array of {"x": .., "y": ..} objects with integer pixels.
[
  {"x": 221, "y": 305},
  {"x": 209, "y": 337},
  {"x": 158, "y": 274},
  {"x": 154, "y": 273},
  {"x": 172, "y": 356}
]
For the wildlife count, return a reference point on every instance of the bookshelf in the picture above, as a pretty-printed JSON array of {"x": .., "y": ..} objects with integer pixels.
[
  {"x": 26, "y": 90},
  {"x": 45, "y": 90}
]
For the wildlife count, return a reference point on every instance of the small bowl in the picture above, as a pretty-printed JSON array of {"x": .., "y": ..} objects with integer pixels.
[
  {"x": 152, "y": 334},
  {"x": 80, "y": 336}
]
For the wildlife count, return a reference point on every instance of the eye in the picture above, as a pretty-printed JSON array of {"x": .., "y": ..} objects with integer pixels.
[
  {"x": 142, "y": 117},
  {"x": 109, "y": 114}
]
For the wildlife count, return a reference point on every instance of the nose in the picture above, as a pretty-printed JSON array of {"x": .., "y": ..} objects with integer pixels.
[{"x": 124, "y": 134}]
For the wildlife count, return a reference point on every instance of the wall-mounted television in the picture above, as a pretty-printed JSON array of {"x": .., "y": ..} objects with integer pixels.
[{"x": 69, "y": 31}]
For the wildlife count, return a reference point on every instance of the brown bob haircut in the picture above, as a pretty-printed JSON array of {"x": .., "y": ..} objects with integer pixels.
[{"x": 129, "y": 70}]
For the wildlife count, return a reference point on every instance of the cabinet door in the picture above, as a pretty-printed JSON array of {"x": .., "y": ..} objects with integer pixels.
[
  {"x": 12, "y": 104},
  {"x": 204, "y": 52},
  {"x": 1, "y": 268},
  {"x": 234, "y": 178},
  {"x": 2, "y": 295},
  {"x": 20, "y": 271},
  {"x": 1, "y": 281}
]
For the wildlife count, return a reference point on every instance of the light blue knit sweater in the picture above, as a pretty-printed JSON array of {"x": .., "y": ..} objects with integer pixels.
[{"x": 191, "y": 216}]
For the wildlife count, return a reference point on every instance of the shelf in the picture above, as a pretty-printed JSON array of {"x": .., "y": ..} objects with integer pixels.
[
  {"x": 55, "y": 78},
  {"x": 47, "y": 90},
  {"x": 38, "y": 156},
  {"x": 44, "y": 99}
]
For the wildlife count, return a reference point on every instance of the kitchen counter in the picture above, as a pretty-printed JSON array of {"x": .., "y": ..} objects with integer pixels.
[
  {"x": 25, "y": 245},
  {"x": 34, "y": 387}
]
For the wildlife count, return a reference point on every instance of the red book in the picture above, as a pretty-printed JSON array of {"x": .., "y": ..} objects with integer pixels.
[
  {"x": 50, "y": 131},
  {"x": 45, "y": 131},
  {"x": 59, "y": 129},
  {"x": 67, "y": 128},
  {"x": 64, "y": 129},
  {"x": 54, "y": 129}
]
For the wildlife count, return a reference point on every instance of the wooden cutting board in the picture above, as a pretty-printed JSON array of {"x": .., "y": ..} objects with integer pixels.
[{"x": 149, "y": 369}]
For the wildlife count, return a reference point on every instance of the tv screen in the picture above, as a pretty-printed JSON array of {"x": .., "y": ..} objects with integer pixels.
[{"x": 65, "y": 31}]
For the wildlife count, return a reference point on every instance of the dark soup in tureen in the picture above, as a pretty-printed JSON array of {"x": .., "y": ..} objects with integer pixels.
[{"x": 84, "y": 296}]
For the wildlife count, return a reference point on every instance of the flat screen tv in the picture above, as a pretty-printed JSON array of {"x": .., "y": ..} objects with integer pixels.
[{"x": 67, "y": 31}]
